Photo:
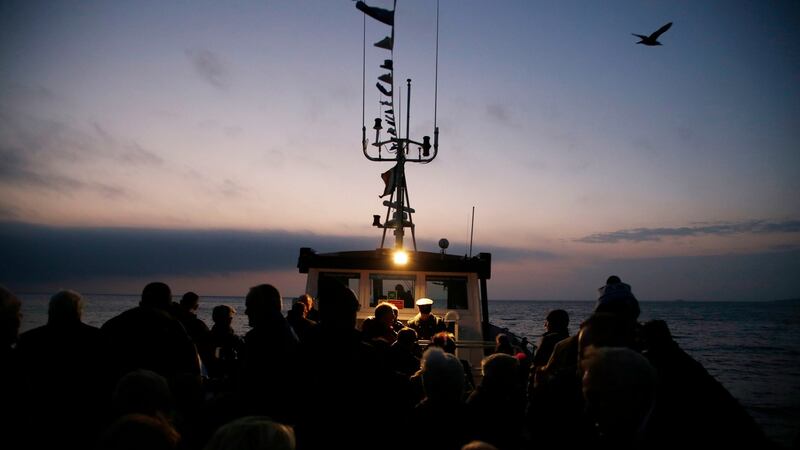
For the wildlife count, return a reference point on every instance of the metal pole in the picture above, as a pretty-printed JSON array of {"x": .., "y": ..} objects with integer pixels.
[{"x": 471, "y": 229}]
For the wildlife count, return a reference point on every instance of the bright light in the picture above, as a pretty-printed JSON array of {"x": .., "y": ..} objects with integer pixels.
[{"x": 400, "y": 257}]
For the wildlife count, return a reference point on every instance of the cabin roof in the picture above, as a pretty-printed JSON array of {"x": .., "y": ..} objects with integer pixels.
[{"x": 381, "y": 259}]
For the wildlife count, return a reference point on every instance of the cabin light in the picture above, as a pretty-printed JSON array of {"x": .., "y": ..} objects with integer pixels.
[{"x": 400, "y": 257}]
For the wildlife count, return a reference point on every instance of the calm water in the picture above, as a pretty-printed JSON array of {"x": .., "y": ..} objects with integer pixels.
[{"x": 752, "y": 348}]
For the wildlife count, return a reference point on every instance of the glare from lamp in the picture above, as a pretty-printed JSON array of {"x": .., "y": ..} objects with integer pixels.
[{"x": 400, "y": 257}]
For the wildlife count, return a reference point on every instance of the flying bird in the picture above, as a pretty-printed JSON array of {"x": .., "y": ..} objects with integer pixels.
[{"x": 653, "y": 38}]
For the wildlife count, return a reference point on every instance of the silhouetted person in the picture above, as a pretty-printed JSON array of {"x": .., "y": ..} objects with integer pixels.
[
  {"x": 337, "y": 364},
  {"x": 555, "y": 330},
  {"x": 447, "y": 341},
  {"x": 269, "y": 357},
  {"x": 252, "y": 433},
  {"x": 379, "y": 328},
  {"x": 405, "y": 296},
  {"x": 478, "y": 445},
  {"x": 298, "y": 319},
  {"x": 405, "y": 354},
  {"x": 186, "y": 312},
  {"x": 143, "y": 392},
  {"x": 497, "y": 405},
  {"x": 502, "y": 344},
  {"x": 425, "y": 323},
  {"x": 619, "y": 388},
  {"x": 312, "y": 313},
  {"x": 149, "y": 337},
  {"x": 12, "y": 416},
  {"x": 438, "y": 420},
  {"x": 139, "y": 432},
  {"x": 653, "y": 38},
  {"x": 226, "y": 346},
  {"x": 65, "y": 371},
  {"x": 555, "y": 402}
]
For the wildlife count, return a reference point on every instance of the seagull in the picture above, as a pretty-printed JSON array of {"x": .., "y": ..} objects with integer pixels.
[{"x": 652, "y": 39}]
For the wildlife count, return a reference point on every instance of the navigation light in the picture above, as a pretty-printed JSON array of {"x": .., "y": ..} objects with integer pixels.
[{"x": 400, "y": 257}]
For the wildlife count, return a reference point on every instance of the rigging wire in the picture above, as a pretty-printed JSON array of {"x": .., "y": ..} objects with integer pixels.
[
  {"x": 436, "y": 66},
  {"x": 364, "y": 74}
]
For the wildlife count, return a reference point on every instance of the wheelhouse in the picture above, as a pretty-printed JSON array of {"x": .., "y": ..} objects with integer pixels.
[{"x": 456, "y": 284}]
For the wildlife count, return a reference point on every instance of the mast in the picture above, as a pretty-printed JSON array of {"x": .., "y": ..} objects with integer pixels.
[{"x": 395, "y": 148}]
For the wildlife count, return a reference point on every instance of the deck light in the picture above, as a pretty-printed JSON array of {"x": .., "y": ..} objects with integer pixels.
[{"x": 400, "y": 257}]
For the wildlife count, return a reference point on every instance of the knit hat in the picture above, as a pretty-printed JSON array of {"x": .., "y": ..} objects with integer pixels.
[{"x": 617, "y": 297}]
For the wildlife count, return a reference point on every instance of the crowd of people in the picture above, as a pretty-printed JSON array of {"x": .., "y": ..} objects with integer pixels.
[{"x": 157, "y": 377}]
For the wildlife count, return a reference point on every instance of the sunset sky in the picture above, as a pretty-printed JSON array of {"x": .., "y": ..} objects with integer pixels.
[{"x": 202, "y": 143}]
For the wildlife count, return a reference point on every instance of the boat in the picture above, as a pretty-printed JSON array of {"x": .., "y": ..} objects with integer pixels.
[{"x": 401, "y": 274}]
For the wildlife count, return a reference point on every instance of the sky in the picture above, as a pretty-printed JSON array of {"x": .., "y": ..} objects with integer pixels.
[{"x": 203, "y": 143}]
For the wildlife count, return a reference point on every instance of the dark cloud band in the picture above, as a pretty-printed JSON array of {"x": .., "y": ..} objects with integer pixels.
[{"x": 656, "y": 234}]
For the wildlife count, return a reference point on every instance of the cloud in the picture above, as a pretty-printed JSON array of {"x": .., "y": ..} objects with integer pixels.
[
  {"x": 44, "y": 254},
  {"x": 53, "y": 155},
  {"x": 208, "y": 65},
  {"x": 18, "y": 170},
  {"x": 37, "y": 257},
  {"x": 37, "y": 253},
  {"x": 728, "y": 277},
  {"x": 723, "y": 229},
  {"x": 510, "y": 254},
  {"x": 127, "y": 152},
  {"x": 499, "y": 113},
  {"x": 231, "y": 189}
]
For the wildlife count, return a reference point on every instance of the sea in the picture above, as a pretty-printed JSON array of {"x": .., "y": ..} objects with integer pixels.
[{"x": 752, "y": 348}]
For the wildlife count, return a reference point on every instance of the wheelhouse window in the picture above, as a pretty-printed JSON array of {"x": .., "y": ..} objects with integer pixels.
[
  {"x": 396, "y": 289},
  {"x": 447, "y": 292}
]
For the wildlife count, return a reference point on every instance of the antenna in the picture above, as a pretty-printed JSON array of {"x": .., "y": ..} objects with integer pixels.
[{"x": 471, "y": 229}]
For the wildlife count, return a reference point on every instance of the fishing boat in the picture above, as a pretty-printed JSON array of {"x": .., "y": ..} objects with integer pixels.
[{"x": 397, "y": 273}]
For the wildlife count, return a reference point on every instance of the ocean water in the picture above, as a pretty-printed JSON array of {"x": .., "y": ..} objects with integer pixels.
[{"x": 752, "y": 348}]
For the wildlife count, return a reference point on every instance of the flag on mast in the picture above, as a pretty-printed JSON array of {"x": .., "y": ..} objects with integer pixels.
[
  {"x": 383, "y": 90},
  {"x": 391, "y": 179},
  {"x": 381, "y": 15}
]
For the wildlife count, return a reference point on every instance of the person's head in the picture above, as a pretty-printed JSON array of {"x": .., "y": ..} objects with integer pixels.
[
  {"x": 556, "y": 320},
  {"x": 384, "y": 314},
  {"x": 502, "y": 343},
  {"x": 500, "y": 370},
  {"x": 407, "y": 337},
  {"x": 399, "y": 288},
  {"x": 306, "y": 300},
  {"x": 299, "y": 309},
  {"x": 156, "y": 295},
  {"x": 65, "y": 307},
  {"x": 252, "y": 433},
  {"x": 395, "y": 311},
  {"x": 10, "y": 317},
  {"x": 139, "y": 431},
  {"x": 478, "y": 445},
  {"x": 144, "y": 392},
  {"x": 190, "y": 301},
  {"x": 223, "y": 314},
  {"x": 425, "y": 306},
  {"x": 262, "y": 303},
  {"x": 619, "y": 388},
  {"x": 617, "y": 297},
  {"x": 337, "y": 304},
  {"x": 445, "y": 340},
  {"x": 442, "y": 376}
]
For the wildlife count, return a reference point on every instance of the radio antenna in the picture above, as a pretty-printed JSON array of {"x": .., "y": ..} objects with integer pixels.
[{"x": 471, "y": 229}]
